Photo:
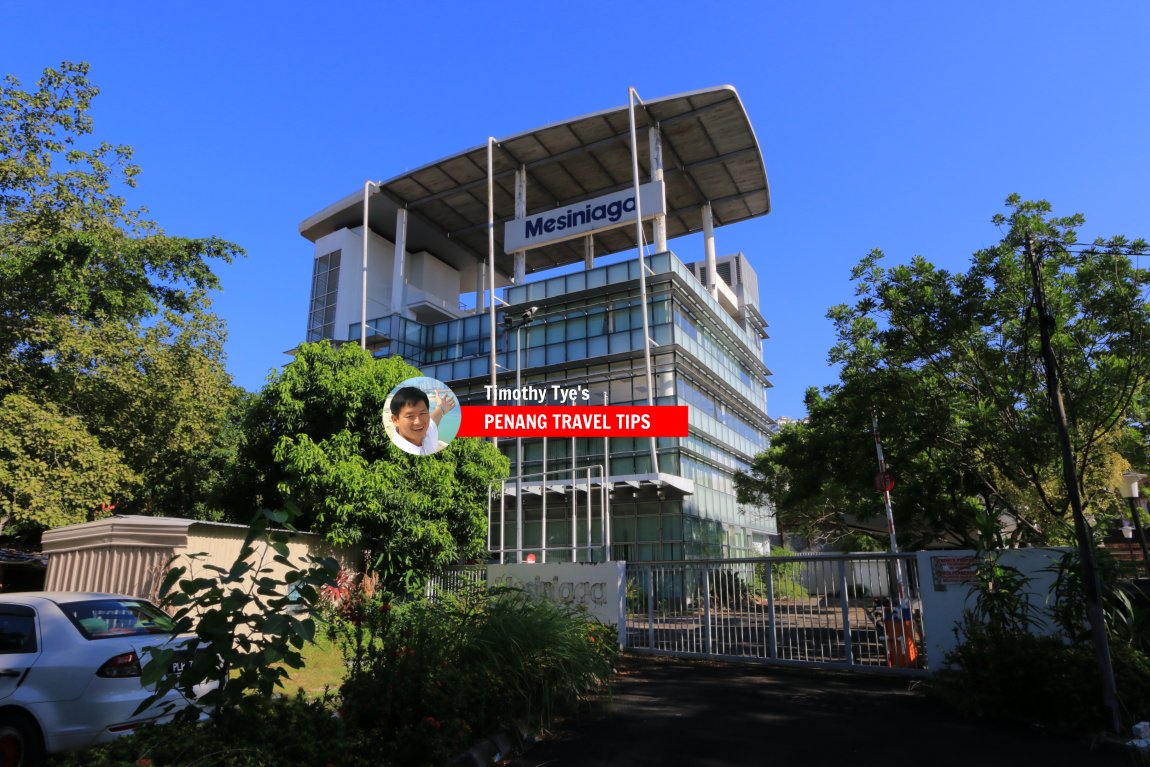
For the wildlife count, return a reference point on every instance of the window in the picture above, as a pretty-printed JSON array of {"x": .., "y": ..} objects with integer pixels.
[
  {"x": 100, "y": 618},
  {"x": 324, "y": 287},
  {"x": 17, "y": 629}
]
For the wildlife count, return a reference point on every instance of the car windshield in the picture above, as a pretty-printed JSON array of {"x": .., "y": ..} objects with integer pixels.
[{"x": 102, "y": 618}]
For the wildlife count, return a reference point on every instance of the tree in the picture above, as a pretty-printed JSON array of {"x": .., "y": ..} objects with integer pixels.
[
  {"x": 952, "y": 363},
  {"x": 315, "y": 439},
  {"x": 104, "y": 321},
  {"x": 52, "y": 471},
  {"x": 71, "y": 247},
  {"x": 159, "y": 394}
]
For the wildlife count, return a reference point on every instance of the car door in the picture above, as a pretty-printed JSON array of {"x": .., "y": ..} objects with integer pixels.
[{"x": 19, "y": 645}]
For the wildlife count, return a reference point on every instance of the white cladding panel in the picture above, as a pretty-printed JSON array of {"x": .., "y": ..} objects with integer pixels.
[{"x": 380, "y": 256}]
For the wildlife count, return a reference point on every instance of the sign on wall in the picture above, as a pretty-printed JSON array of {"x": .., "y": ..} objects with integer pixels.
[
  {"x": 953, "y": 571},
  {"x": 595, "y": 215},
  {"x": 596, "y": 587}
]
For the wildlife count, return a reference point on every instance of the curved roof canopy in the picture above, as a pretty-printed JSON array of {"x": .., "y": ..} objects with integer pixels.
[{"x": 710, "y": 154}]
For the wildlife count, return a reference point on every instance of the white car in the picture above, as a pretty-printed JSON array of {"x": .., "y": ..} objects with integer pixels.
[{"x": 70, "y": 670}]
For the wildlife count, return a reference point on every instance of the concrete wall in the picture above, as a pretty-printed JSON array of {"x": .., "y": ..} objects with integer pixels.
[
  {"x": 598, "y": 588},
  {"x": 132, "y": 555},
  {"x": 946, "y": 591},
  {"x": 433, "y": 280},
  {"x": 426, "y": 279},
  {"x": 380, "y": 258}
]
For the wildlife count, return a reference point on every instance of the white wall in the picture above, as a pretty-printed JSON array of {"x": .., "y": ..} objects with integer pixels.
[
  {"x": 380, "y": 258},
  {"x": 424, "y": 276},
  {"x": 598, "y": 587},
  {"x": 943, "y": 603},
  {"x": 430, "y": 279}
]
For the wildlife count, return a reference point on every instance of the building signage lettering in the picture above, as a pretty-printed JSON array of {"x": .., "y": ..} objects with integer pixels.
[
  {"x": 597, "y": 587},
  {"x": 598, "y": 214},
  {"x": 578, "y": 594}
]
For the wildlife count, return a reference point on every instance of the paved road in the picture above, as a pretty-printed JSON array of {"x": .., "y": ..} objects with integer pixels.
[{"x": 673, "y": 712}]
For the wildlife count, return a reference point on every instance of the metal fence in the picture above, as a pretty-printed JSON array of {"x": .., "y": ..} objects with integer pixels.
[
  {"x": 456, "y": 580},
  {"x": 840, "y": 611}
]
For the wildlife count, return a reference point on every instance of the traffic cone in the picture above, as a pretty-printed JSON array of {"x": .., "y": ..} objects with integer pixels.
[{"x": 901, "y": 651}]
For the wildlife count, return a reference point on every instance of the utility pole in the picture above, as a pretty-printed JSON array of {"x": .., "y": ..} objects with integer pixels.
[{"x": 1090, "y": 580}]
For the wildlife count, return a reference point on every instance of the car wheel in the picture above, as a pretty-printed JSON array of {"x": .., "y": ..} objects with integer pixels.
[{"x": 20, "y": 744}]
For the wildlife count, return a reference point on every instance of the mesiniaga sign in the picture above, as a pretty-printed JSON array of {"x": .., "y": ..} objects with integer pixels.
[
  {"x": 589, "y": 216},
  {"x": 596, "y": 587}
]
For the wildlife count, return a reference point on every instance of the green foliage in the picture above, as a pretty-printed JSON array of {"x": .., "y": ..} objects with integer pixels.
[
  {"x": 268, "y": 732},
  {"x": 785, "y": 576},
  {"x": 52, "y": 470},
  {"x": 316, "y": 437},
  {"x": 427, "y": 679},
  {"x": 104, "y": 321},
  {"x": 1006, "y": 666},
  {"x": 1033, "y": 679},
  {"x": 1001, "y": 604},
  {"x": 1126, "y": 618},
  {"x": 158, "y": 393},
  {"x": 71, "y": 246},
  {"x": 244, "y": 619},
  {"x": 950, "y": 360}
]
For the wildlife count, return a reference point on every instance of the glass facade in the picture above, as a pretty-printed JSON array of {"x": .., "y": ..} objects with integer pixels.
[
  {"x": 588, "y": 332},
  {"x": 324, "y": 292}
]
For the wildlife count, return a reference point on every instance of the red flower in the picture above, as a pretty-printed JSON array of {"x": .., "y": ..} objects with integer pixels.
[{"x": 386, "y": 607}]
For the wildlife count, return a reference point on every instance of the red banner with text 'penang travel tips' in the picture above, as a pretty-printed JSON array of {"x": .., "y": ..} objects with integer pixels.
[{"x": 622, "y": 421}]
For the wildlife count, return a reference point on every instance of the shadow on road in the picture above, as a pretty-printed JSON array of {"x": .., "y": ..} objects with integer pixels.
[{"x": 669, "y": 712}]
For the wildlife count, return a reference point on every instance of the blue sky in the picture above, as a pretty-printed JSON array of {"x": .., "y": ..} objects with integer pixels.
[{"x": 895, "y": 125}]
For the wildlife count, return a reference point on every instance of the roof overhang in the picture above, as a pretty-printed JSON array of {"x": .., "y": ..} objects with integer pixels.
[
  {"x": 140, "y": 531},
  {"x": 710, "y": 155},
  {"x": 119, "y": 530},
  {"x": 646, "y": 486}
]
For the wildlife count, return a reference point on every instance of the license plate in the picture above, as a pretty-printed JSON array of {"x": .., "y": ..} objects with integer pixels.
[{"x": 178, "y": 666}]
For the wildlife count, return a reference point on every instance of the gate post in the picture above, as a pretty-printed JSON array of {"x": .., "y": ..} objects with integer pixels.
[
  {"x": 707, "y": 609},
  {"x": 771, "y": 621},
  {"x": 650, "y": 607},
  {"x": 844, "y": 599}
]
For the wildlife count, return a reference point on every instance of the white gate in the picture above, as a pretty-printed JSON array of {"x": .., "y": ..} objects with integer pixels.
[{"x": 827, "y": 610}]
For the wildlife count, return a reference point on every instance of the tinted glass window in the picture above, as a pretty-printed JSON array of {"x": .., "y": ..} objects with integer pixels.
[
  {"x": 17, "y": 629},
  {"x": 100, "y": 618}
]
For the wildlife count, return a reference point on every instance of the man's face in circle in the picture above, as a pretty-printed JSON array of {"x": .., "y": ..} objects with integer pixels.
[{"x": 411, "y": 422}]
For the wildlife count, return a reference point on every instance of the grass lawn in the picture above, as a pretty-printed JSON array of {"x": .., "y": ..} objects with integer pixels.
[{"x": 323, "y": 666}]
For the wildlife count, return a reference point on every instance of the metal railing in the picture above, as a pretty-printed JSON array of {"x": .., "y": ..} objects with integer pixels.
[
  {"x": 831, "y": 610},
  {"x": 456, "y": 580}
]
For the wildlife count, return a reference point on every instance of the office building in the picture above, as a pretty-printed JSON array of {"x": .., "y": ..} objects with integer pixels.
[{"x": 554, "y": 211}]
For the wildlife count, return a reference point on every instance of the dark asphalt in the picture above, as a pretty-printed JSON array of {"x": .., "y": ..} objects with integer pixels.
[{"x": 669, "y": 712}]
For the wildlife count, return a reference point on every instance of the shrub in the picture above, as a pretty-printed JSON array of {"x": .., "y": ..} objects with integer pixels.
[
  {"x": 785, "y": 576},
  {"x": 1126, "y": 619},
  {"x": 1040, "y": 679},
  {"x": 426, "y": 679},
  {"x": 1001, "y": 669},
  {"x": 245, "y": 632},
  {"x": 267, "y": 732}
]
